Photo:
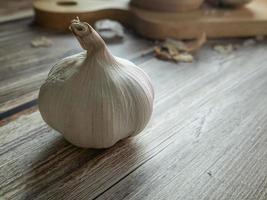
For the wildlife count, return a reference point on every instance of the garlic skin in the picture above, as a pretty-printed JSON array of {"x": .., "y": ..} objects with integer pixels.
[{"x": 93, "y": 98}]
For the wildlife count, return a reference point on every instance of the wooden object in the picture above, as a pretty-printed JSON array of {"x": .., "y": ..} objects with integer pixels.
[
  {"x": 168, "y": 5},
  {"x": 207, "y": 138},
  {"x": 229, "y": 3},
  {"x": 247, "y": 21}
]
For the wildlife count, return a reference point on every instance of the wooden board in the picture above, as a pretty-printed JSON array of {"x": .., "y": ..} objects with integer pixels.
[
  {"x": 206, "y": 140},
  {"x": 250, "y": 20}
]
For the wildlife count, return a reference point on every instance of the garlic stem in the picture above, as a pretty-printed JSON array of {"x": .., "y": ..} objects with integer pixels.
[{"x": 90, "y": 41}]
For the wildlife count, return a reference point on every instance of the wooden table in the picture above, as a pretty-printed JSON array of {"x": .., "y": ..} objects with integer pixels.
[{"x": 207, "y": 138}]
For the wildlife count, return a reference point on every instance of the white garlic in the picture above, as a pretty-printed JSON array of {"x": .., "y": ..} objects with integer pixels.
[{"x": 93, "y": 98}]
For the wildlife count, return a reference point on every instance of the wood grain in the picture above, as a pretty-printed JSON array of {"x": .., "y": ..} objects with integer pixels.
[
  {"x": 206, "y": 140},
  {"x": 24, "y": 68},
  {"x": 15, "y": 9},
  {"x": 220, "y": 154}
]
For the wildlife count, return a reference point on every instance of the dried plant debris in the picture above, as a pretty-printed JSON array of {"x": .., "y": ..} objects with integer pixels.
[
  {"x": 41, "y": 42},
  {"x": 184, "y": 57},
  {"x": 229, "y": 48},
  {"x": 224, "y": 49},
  {"x": 179, "y": 51},
  {"x": 249, "y": 42},
  {"x": 198, "y": 43},
  {"x": 169, "y": 52},
  {"x": 259, "y": 38},
  {"x": 110, "y": 31}
]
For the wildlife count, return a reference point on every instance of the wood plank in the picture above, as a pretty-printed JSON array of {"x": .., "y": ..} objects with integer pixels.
[
  {"x": 204, "y": 115},
  {"x": 14, "y": 9},
  {"x": 221, "y": 154},
  {"x": 24, "y": 68}
]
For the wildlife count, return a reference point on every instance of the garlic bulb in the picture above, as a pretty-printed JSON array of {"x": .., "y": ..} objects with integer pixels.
[{"x": 93, "y": 98}]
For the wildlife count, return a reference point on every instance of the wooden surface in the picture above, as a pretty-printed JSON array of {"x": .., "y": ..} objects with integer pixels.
[
  {"x": 15, "y": 9},
  {"x": 168, "y": 5},
  {"x": 206, "y": 140},
  {"x": 250, "y": 20}
]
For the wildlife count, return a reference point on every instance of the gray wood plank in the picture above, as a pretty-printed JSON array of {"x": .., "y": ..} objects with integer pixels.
[
  {"x": 205, "y": 118},
  {"x": 24, "y": 68},
  {"x": 14, "y": 9},
  {"x": 220, "y": 154}
]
